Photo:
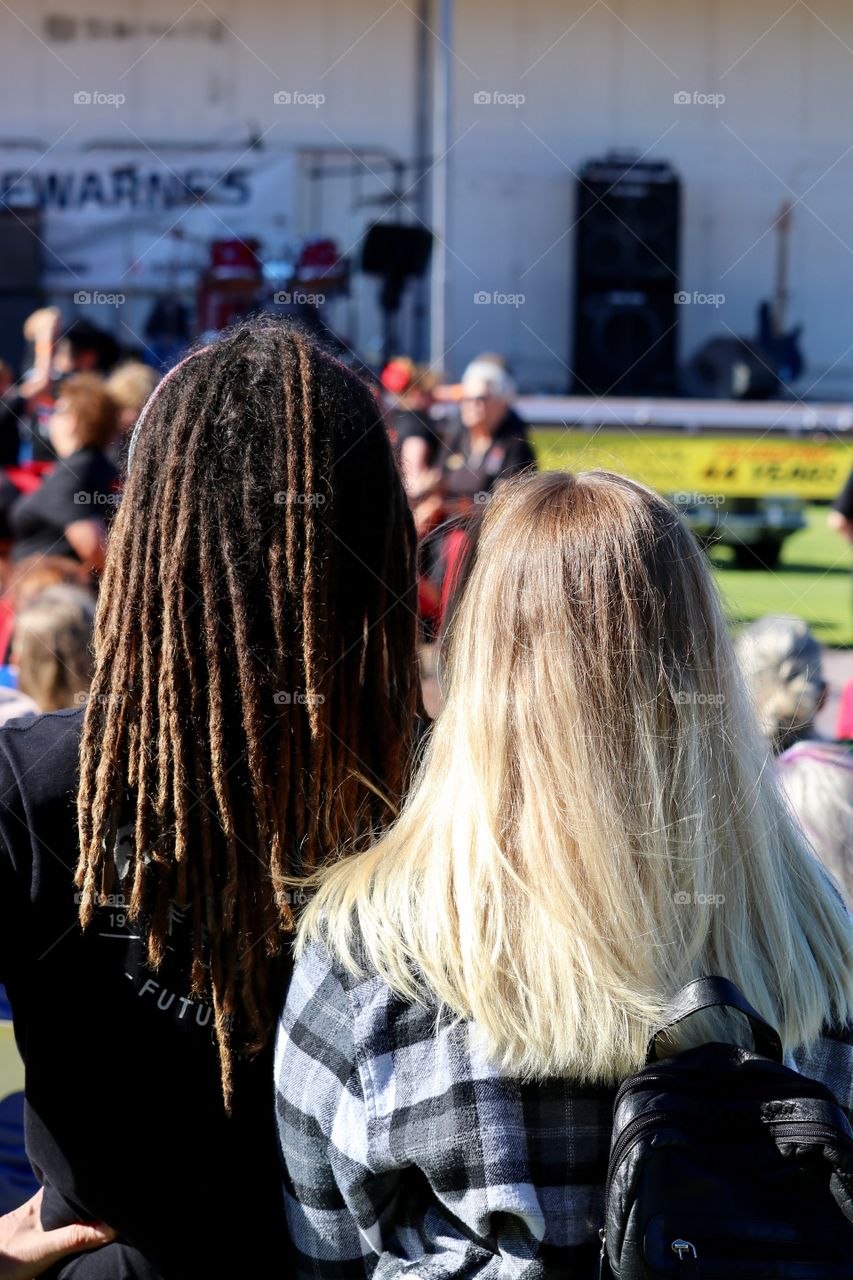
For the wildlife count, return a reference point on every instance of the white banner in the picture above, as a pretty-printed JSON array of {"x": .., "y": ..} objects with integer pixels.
[{"x": 113, "y": 220}]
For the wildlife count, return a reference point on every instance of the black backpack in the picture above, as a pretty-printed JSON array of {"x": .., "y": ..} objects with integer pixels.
[{"x": 726, "y": 1163}]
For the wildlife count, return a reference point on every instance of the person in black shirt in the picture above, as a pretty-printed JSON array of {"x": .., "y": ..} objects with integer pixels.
[
  {"x": 251, "y": 712},
  {"x": 413, "y": 431},
  {"x": 67, "y": 514},
  {"x": 491, "y": 440}
]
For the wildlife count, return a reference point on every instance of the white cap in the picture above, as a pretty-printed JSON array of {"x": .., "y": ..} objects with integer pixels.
[{"x": 493, "y": 374}]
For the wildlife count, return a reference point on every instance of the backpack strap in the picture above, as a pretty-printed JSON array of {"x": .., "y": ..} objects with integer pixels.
[{"x": 712, "y": 992}]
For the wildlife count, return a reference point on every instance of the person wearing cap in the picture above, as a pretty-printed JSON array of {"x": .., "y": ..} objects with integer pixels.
[
  {"x": 491, "y": 441},
  {"x": 413, "y": 433},
  {"x": 781, "y": 662}
]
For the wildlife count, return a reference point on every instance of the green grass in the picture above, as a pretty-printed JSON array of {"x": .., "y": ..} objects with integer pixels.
[{"x": 813, "y": 580}]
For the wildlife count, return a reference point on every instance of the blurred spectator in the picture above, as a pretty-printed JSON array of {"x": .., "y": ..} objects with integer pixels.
[
  {"x": 17, "y": 1180},
  {"x": 168, "y": 332},
  {"x": 14, "y": 704},
  {"x": 490, "y": 443},
  {"x": 414, "y": 433},
  {"x": 66, "y": 515},
  {"x": 33, "y": 575},
  {"x": 818, "y": 780},
  {"x": 11, "y": 408},
  {"x": 52, "y": 647},
  {"x": 782, "y": 665},
  {"x": 28, "y": 579},
  {"x": 840, "y": 515},
  {"x": 491, "y": 440},
  {"x": 844, "y": 717},
  {"x": 130, "y": 385},
  {"x": 82, "y": 348}
]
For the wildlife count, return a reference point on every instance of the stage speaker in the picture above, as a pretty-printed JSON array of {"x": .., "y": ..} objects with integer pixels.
[
  {"x": 393, "y": 249},
  {"x": 626, "y": 278},
  {"x": 20, "y": 250},
  {"x": 624, "y": 343},
  {"x": 20, "y": 278}
]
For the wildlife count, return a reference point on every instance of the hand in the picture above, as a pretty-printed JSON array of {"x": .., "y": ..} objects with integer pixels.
[
  {"x": 43, "y": 325},
  {"x": 840, "y": 524},
  {"x": 26, "y": 1249},
  {"x": 427, "y": 514}
]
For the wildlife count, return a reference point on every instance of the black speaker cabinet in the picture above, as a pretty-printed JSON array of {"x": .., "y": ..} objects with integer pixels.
[{"x": 626, "y": 278}]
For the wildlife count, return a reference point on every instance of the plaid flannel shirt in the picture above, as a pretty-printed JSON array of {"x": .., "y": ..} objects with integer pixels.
[{"x": 407, "y": 1153}]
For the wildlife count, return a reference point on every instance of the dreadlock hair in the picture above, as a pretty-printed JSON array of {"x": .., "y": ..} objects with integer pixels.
[{"x": 255, "y": 681}]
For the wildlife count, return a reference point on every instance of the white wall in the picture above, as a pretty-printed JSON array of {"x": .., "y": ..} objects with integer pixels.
[
  {"x": 608, "y": 81},
  {"x": 595, "y": 74}
]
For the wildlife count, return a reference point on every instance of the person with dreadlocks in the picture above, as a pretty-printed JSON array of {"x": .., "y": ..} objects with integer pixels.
[{"x": 251, "y": 712}]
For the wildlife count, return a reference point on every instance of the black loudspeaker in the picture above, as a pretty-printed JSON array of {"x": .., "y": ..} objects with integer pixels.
[
  {"x": 626, "y": 278},
  {"x": 20, "y": 277},
  {"x": 393, "y": 249},
  {"x": 14, "y": 309},
  {"x": 624, "y": 342},
  {"x": 20, "y": 250},
  {"x": 396, "y": 253}
]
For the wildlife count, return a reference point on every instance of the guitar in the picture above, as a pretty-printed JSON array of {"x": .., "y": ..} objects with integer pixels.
[{"x": 780, "y": 347}]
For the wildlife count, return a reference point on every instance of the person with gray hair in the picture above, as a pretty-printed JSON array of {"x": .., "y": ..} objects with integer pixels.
[
  {"x": 491, "y": 440},
  {"x": 817, "y": 778},
  {"x": 782, "y": 665}
]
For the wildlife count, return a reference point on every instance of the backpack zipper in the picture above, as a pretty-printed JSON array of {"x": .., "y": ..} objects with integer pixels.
[
  {"x": 627, "y": 1136},
  {"x": 664, "y": 1119},
  {"x": 637, "y": 1085},
  {"x": 807, "y": 1129}
]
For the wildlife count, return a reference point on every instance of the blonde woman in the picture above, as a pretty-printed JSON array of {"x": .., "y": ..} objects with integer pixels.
[{"x": 594, "y": 825}]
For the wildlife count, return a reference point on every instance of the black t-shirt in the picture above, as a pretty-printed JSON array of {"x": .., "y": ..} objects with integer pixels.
[
  {"x": 467, "y": 474},
  {"x": 408, "y": 425},
  {"x": 80, "y": 487},
  {"x": 12, "y": 410},
  {"x": 124, "y": 1114}
]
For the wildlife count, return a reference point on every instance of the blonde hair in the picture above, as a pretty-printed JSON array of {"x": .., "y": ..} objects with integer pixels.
[
  {"x": 131, "y": 384},
  {"x": 594, "y": 822},
  {"x": 52, "y": 647},
  {"x": 95, "y": 409}
]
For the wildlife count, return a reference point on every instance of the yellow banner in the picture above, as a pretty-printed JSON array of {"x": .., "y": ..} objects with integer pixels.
[{"x": 744, "y": 467}]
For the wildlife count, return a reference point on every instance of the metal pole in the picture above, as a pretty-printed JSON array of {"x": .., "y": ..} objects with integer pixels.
[
  {"x": 440, "y": 182},
  {"x": 420, "y": 195}
]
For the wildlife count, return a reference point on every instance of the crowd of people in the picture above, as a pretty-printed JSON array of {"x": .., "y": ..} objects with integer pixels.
[
  {"x": 302, "y": 980},
  {"x": 450, "y": 462}
]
